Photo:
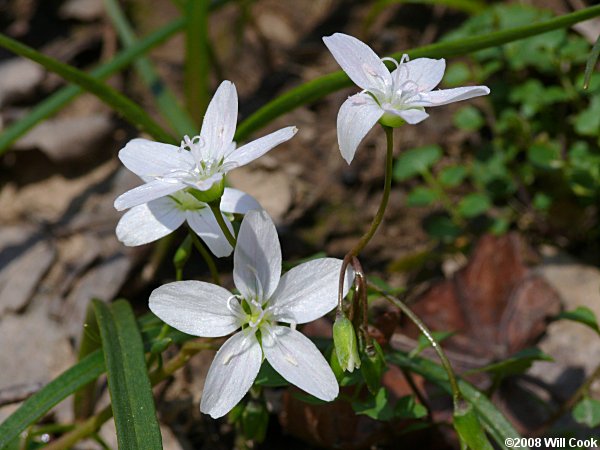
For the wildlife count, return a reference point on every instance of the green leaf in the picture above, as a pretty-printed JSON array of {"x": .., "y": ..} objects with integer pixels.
[
  {"x": 515, "y": 364},
  {"x": 320, "y": 87},
  {"x": 376, "y": 407},
  {"x": 541, "y": 201},
  {"x": 587, "y": 122},
  {"x": 452, "y": 176},
  {"x": 255, "y": 421},
  {"x": 441, "y": 227},
  {"x": 473, "y": 205},
  {"x": 469, "y": 118},
  {"x": 591, "y": 63},
  {"x": 65, "y": 95},
  {"x": 424, "y": 343},
  {"x": 545, "y": 155},
  {"x": 127, "y": 108},
  {"x": 422, "y": 196},
  {"x": 74, "y": 378},
  {"x": 372, "y": 368},
  {"x": 583, "y": 315},
  {"x": 587, "y": 412},
  {"x": 128, "y": 383},
  {"x": 469, "y": 429},
  {"x": 415, "y": 161},
  {"x": 457, "y": 74},
  {"x": 498, "y": 427},
  {"x": 408, "y": 408}
]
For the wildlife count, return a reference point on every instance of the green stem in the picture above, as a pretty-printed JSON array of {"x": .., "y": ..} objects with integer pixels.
[
  {"x": 210, "y": 262},
  {"x": 387, "y": 187},
  {"x": 456, "y": 394},
  {"x": 216, "y": 210}
]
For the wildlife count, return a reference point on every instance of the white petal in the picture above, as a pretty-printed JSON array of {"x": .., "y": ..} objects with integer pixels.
[
  {"x": 297, "y": 359},
  {"x": 411, "y": 116},
  {"x": 146, "y": 193},
  {"x": 425, "y": 72},
  {"x": 255, "y": 149},
  {"x": 196, "y": 308},
  {"x": 238, "y": 202},
  {"x": 220, "y": 120},
  {"x": 309, "y": 290},
  {"x": 445, "y": 96},
  {"x": 205, "y": 184},
  {"x": 356, "y": 117},
  {"x": 358, "y": 60},
  {"x": 257, "y": 257},
  {"x": 148, "y": 222},
  {"x": 205, "y": 225},
  {"x": 231, "y": 374},
  {"x": 150, "y": 159}
]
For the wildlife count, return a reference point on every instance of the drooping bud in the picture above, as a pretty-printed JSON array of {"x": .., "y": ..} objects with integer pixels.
[{"x": 344, "y": 340}]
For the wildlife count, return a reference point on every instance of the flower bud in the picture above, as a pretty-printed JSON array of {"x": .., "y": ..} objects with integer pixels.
[{"x": 344, "y": 340}]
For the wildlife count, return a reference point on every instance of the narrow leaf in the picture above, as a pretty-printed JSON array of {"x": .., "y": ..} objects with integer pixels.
[
  {"x": 128, "y": 383},
  {"x": 59, "y": 99},
  {"x": 583, "y": 315},
  {"x": 591, "y": 63},
  {"x": 469, "y": 429},
  {"x": 128, "y": 109},
  {"x": 494, "y": 422},
  {"x": 166, "y": 101},
  {"x": 197, "y": 58},
  {"x": 87, "y": 370},
  {"x": 320, "y": 87}
]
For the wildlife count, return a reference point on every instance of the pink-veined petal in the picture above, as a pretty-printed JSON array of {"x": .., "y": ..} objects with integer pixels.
[
  {"x": 445, "y": 96},
  {"x": 359, "y": 61},
  {"x": 231, "y": 374},
  {"x": 146, "y": 193},
  {"x": 149, "y": 159},
  {"x": 309, "y": 291},
  {"x": 238, "y": 202},
  {"x": 423, "y": 74},
  {"x": 148, "y": 222},
  {"x": 205, "y": 225},
  {"x": 255, "y": 149},
  {"x": 196, "y": 308},
  {"x": 218, "y": 126},
  {"x": 297, "y": 359},
  {"x": 357, "y": 115},
  {"x": 257, "y": 257}
]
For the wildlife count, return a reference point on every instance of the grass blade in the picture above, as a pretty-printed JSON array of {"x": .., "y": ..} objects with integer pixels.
[
  {"x": 591, "y": 63},
  {"x": 179, "y": 120},
  {"x": 58, "y": 100},
  {"x": 197, "y": 58},
  {"x": 87, "y": 370},
  {"x": 128, "y": 109},
  {"x": 128, "y": 383},
  {"x": 326, "y": 84},
  {"x": 493, "y": 420}
]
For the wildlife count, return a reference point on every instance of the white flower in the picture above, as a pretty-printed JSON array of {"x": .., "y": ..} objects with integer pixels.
[
  {"x": 151, "y": 221},
  {"x": 394, "y": 98},
  {"x": 266, "y": 301},
  {"x": 172, "y": 174},
  {"x": 167, "y": 169}
]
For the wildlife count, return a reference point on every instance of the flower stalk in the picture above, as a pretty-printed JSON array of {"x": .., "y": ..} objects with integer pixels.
[{"x": 215, "y": 209}]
